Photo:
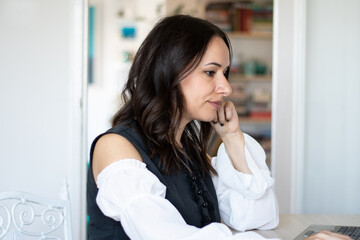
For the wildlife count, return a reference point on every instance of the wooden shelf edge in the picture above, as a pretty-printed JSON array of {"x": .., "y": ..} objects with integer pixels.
[
  {"x": 243, "y": 78},
  {"x": 253, "y": 35},
  {"x": 254, "y": 120}
]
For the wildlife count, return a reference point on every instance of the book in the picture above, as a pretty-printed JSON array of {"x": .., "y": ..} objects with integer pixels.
[
  {"x": 220, "y": 14},
  {"x": 243, "y": 17}
]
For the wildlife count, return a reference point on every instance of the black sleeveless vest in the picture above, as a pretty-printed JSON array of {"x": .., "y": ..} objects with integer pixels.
[{"x": 192, "y": 195}]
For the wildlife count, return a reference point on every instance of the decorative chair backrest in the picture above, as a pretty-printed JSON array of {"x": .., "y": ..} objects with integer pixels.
[{"x": 28, "y": 216}]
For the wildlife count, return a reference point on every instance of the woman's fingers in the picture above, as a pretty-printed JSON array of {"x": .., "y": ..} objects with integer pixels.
[
  {"x": 325, "y": 235},
  {"x": 226, "y": 120},
  {"x": 225, "y": 113},
  {"x": 221, "y": 114},
  {"x": 228, "y": 110}
]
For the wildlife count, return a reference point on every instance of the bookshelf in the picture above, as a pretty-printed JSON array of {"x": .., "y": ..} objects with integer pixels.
[
  {"x": 248, "y": 24},
  {"x": 255, "y": 120},
  {"x": 250, "y": 35},
  {"x": 249, "y": 27},
  {"x": 251, "y": 78}
]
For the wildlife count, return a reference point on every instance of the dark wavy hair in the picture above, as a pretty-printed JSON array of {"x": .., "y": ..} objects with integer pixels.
[{"x": 153, "y": 97}]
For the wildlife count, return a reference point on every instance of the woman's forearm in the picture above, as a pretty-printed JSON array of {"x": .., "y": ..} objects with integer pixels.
[{"x": 235, "y": 147}]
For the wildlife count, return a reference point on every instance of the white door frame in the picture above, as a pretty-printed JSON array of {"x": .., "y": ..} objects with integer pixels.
[
  {"x": 288, "y": 99},
  {"x": 77, "y": 161}
]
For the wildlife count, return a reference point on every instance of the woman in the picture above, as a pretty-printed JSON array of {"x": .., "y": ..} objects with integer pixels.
[{"x": 150, "y": 176}]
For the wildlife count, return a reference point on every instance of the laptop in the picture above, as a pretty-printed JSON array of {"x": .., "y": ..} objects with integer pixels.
[{"x": 352, "y": 231}]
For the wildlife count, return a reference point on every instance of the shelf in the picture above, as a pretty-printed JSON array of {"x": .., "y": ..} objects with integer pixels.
[
  {"x": 254, "y": 78},
  {"x": 259, "y": 120},
  {"x": 251, "y": 35},
  {"x": 249, "y": 26}
]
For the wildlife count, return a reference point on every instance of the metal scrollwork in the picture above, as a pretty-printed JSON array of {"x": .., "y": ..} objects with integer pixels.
[
  {"x": 24, "y": 216},
  {"x": 52, "y": 217},
  {"x": 5, "y": 220},
  {"x": 27, "y": 219}
]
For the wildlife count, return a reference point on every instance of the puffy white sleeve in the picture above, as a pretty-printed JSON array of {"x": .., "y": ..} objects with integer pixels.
[
  {"x": 130, "y": 193},
  {"x": 246, "y": 201}
]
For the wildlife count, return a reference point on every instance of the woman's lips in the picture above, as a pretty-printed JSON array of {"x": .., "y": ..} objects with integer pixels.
[{"x": 215, "y": 104}]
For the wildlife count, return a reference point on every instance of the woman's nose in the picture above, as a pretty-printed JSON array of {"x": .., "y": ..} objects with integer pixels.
[{"x": 223, "y": 87}]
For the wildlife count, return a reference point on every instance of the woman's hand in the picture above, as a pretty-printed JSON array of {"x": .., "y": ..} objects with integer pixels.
[
  {"x": 325, "y": 235},
  {"x": 226, "y": 125},
  {"x": 226, "y": 121}
]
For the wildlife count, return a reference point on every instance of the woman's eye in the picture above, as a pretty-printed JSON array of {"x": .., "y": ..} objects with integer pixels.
[{"x": 210, "y": 73}]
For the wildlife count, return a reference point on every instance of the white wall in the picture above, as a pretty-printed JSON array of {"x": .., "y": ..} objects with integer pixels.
[
  {"x": 41, "y": 77},
  {"x": 104, "y": 94},
  {"x": 332, "y": 103},
  {"x": 316, "y": 104}
]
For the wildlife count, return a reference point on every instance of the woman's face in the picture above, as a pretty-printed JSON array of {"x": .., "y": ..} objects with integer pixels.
[{"x": 205, "y": 87}]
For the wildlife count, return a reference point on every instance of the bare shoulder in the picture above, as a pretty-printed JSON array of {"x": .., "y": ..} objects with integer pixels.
[{"x": 110, "y": 148}]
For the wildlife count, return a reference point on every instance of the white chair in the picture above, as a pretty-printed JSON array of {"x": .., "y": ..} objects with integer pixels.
[{"x": 28, "y": 216}]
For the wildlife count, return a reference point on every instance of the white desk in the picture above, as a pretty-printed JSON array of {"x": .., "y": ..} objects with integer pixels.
[{"x": 292, "y": 224}]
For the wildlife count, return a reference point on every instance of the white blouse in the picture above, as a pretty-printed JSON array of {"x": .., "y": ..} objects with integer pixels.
[{"x": 130, "y": 193}]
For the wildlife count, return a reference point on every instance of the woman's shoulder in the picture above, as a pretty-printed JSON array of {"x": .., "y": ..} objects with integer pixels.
[
  {"x": 113, "y": 146},
  {"x": 117, "y": 146},
  {"x": 121, "y": 137}
]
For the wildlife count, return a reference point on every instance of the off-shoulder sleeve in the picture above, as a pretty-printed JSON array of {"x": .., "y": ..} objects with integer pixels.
[
  {"x": 130, "y": 193},
  {"x": 246, "y": 201}
]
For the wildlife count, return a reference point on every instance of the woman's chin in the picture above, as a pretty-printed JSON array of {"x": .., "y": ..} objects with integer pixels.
[{"x": 208, "y": 119}]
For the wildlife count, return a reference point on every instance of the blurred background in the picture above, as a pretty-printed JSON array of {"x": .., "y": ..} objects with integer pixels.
[{"x": 295, "y": 78}]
